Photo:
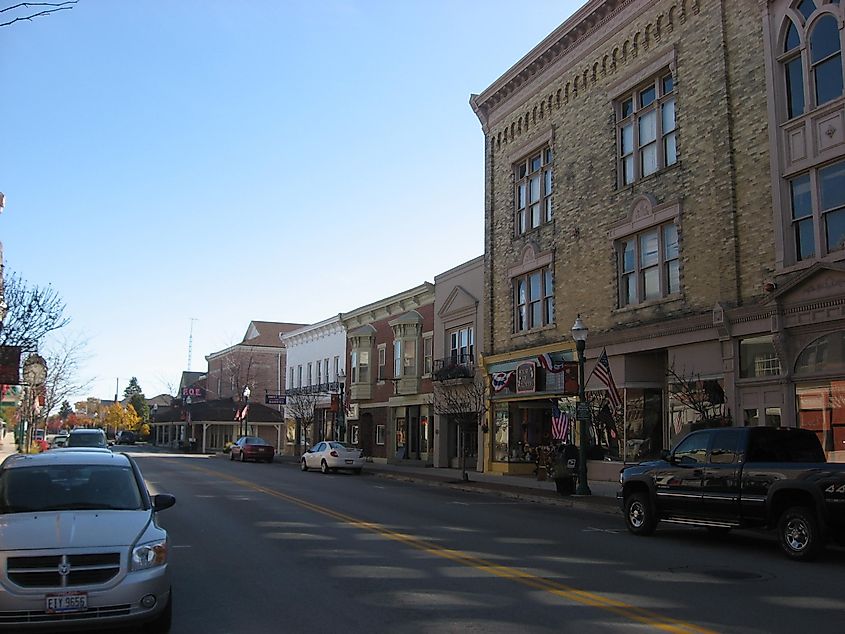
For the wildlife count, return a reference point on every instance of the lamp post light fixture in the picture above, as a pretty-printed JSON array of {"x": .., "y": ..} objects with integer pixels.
[
  {"x": 244, "y": 416},
  {"x": 579, "y": 334},
  {"x": 341, "y": 412}
]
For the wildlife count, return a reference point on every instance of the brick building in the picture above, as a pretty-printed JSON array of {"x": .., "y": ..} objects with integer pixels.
[
  {"x": 389, "y": 360},
  {"x": 633, "y": 167}
]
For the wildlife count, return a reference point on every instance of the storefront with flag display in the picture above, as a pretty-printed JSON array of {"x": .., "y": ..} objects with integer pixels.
[{"x": 532, "y": 407}]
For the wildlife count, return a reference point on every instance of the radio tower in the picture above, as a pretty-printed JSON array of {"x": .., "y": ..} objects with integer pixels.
[{"x": 191, "y": 342}]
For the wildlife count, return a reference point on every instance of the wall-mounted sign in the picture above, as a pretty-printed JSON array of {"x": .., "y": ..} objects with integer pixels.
[
  {"x": 193, "y": 392},
  {"x": 526, "y": 377},
  {"x": 570, "y": 378}
]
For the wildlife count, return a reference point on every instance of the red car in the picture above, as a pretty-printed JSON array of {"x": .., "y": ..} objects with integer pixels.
[{"x": 252, "y": 448}]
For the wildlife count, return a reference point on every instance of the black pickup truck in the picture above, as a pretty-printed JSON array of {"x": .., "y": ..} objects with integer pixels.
[{"x": 742, "y": 477}]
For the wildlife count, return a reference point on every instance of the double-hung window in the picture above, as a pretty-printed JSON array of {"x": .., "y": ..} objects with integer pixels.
[
  {"x": 534, "y": 181},
  {"x": 817, "y": 207},
  {"x": 646, "y": 129},
  {"x": 462, "y": 344},
  {"x": 649, "y": 266},
  {"x": 533, "y": 300}
]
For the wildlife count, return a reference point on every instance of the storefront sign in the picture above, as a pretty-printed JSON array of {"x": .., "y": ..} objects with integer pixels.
[
  {"x": 582, "y": 412},
  {"x": 193, "y": 392},
  {"x": 526, "y": 377}
]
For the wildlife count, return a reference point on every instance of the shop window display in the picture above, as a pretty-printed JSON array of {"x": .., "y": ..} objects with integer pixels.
[{"x": 643, "y": 424}]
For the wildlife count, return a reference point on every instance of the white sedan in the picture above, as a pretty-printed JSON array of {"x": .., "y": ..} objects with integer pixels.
[{"x": 330, "y": 456}]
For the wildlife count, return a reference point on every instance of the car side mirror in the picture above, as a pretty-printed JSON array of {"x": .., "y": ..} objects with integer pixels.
[
  {"x": 666, "y": 455},
  {"x": 163, "y": 501}
]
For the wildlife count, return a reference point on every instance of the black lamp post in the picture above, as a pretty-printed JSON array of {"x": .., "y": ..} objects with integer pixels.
[
  {"x": 244, "y": 416},
  {"x": 579, "y": 334},
  {"x": 341, "y": 413}
]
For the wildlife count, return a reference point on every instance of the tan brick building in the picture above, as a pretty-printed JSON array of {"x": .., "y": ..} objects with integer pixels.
[{"x": 634, "y": 169}]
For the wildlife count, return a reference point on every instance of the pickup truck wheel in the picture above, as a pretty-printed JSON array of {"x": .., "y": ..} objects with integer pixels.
[
  {"x": 639, "y": 514},
  {"x": 799, "y": 534}
]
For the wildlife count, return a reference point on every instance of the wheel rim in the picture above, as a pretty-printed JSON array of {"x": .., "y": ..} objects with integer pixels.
[
  {"x": 324, "y": 467},
  {"x": 797, "y": 534},
  {"x": 636, "y": 514}
]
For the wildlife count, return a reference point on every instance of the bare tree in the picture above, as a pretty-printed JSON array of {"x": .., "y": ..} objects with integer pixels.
[
  {"x": 33, "y": 312},
  {"x": 464, "y": 400},
  {"x": 40, "y": 9},
  {"x": 237, "y": 367},
  {"x": 704, "y": 397},
  {"x": 63, "y": 372},
  {"x": 301, "y": 407}
]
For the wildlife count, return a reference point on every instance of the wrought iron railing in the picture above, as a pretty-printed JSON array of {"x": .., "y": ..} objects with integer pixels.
[{"x": 456, "y": 366}]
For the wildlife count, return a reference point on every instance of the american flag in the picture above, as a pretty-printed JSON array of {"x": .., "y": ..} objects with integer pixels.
[
  {"x": 549, "y": 365},
  {"x": 560, "y": 423},
  {"x": 602, "y": 371}
]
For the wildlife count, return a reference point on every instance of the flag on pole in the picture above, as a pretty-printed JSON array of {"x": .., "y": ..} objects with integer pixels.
[
  {"x": 549, "y": 365},
  {"x": 560, "y": 423},
  {"x": 243, "y": 413},
  {"x": 238, "y": 414},
  {"x": 500, "y": 380},
  {"x": 602, "y": 371}
]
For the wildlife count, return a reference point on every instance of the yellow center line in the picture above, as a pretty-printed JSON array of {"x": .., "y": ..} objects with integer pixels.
[{"x": 583, "y": 597}]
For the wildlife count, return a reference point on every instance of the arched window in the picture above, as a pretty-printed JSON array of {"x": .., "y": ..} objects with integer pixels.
[
  {"x": 806, "y": 8},
  {"x": 794, "y": 73},
  {"x": 826, "y": 59},
  {"x": 824, "y": 355}
]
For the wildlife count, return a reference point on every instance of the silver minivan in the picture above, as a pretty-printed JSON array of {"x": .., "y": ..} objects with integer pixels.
[{"x": 80, "y": 545}]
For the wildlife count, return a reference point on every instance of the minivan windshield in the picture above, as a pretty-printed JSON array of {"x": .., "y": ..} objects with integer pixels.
[{"x": 68, "y": 487}]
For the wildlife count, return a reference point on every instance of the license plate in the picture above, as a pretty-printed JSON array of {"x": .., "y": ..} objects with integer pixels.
[
  {"x": 349, "y": 461},
  {"x": 67, "y": 602}
]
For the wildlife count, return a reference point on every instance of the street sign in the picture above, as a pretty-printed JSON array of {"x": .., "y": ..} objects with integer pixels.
[
  {"x": 582, "y": 412},
  {"x": 275, "y": 399}
]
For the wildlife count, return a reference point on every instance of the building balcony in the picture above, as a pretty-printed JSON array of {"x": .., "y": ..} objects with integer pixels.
[{"x": 459, "y": 367}]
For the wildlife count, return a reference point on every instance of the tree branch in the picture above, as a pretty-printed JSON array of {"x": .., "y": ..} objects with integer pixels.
[{"x": 54, "y": 7}]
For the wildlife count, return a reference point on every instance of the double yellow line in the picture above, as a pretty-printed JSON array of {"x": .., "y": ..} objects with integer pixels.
[{"x": 624, "y": 610}]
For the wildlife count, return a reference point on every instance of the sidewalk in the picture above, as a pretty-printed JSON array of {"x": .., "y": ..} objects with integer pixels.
[
  {"x": 526, "y": 488},
  {"x": 7, "y": 446}
]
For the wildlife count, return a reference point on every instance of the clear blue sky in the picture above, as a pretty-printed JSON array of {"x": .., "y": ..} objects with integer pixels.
[{"x": 238, "y": 161}]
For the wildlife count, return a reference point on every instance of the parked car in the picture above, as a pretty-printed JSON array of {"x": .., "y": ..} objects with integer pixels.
[
  {"x": 742, "y": 477},
  {"x": 80, "y": 546},
  {"x": 252, "y": 448},
  {"x": 87, "y": 438},
  {"x": 331, "y": 455},
  {"x": 126, "y": 437},
  {"x": 60, "y": 440}
]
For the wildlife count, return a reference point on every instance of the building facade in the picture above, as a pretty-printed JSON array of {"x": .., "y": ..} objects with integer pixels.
[
  {"x": 389, "y": 361},
  {"x": 630, "y": 179},
  {"x": 460, "y": 390},
  {"x": 315, "y": 369}
]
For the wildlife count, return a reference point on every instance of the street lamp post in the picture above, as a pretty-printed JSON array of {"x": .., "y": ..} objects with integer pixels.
[
  {"x": 246, "y": 410},
  {"x": 341, "y": 412},
  {"x": 579, "y": 334},
  {"x": 34, "y": 373}
]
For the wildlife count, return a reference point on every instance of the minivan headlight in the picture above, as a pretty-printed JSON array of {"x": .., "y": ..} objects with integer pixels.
[{"x": 149, "y": 555}]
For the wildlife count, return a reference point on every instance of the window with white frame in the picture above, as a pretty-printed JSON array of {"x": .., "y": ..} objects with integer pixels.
[
  {"x": 462, "y": 345},
  {"x": 409, "y": 357},
  {"x": 326, "y": 369},
  {"x": 646, "y": 129},
  {"x": 336, "y": 367},
  {"x": 299, "y": 374},
  {"x": 533, "y": 191},
  {"x": 817, "y": 207},
  {"x": 397, "y": 358},
  {"x": 534, "y": 295},
  {"x": 379, "y": 434},
  {"x": 360, "y": 366},
  {"x": 382, "y": 359},
  {"x": 811, "y": 57},
  {"x": 319, "y": 373},
  {"x": 290, "y": 382},
  {"x": 428, "y": 354},
  {"x": 309, "y": 374},
  {"x": 649, "y": 267}
]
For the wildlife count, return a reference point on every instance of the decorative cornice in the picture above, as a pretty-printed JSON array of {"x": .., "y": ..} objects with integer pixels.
[
  {"x": 411, "y": 299},
  {"x": 315, "y": 332}
]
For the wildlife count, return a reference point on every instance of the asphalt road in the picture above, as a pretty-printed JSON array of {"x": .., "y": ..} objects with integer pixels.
[{"x": 267, "y": 548}]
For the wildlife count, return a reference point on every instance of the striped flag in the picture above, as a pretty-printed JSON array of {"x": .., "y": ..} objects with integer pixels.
[
  {"x": 602, "y": 371},
  {"x": 549, "y": 365},
  {"x": 560, "y": 423}
]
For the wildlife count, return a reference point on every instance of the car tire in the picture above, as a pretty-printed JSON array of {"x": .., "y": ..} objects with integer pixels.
[
  {"x": 231, "y": 455},
  {"x": 302, "y": 465},
  {"x": 324, "y": 467},
  {"x": 640, "y": 516},
  {"x": 241, "y": 457},
  {"x": 799, "y": 533},
  {"x": 162, "y": 623}
]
